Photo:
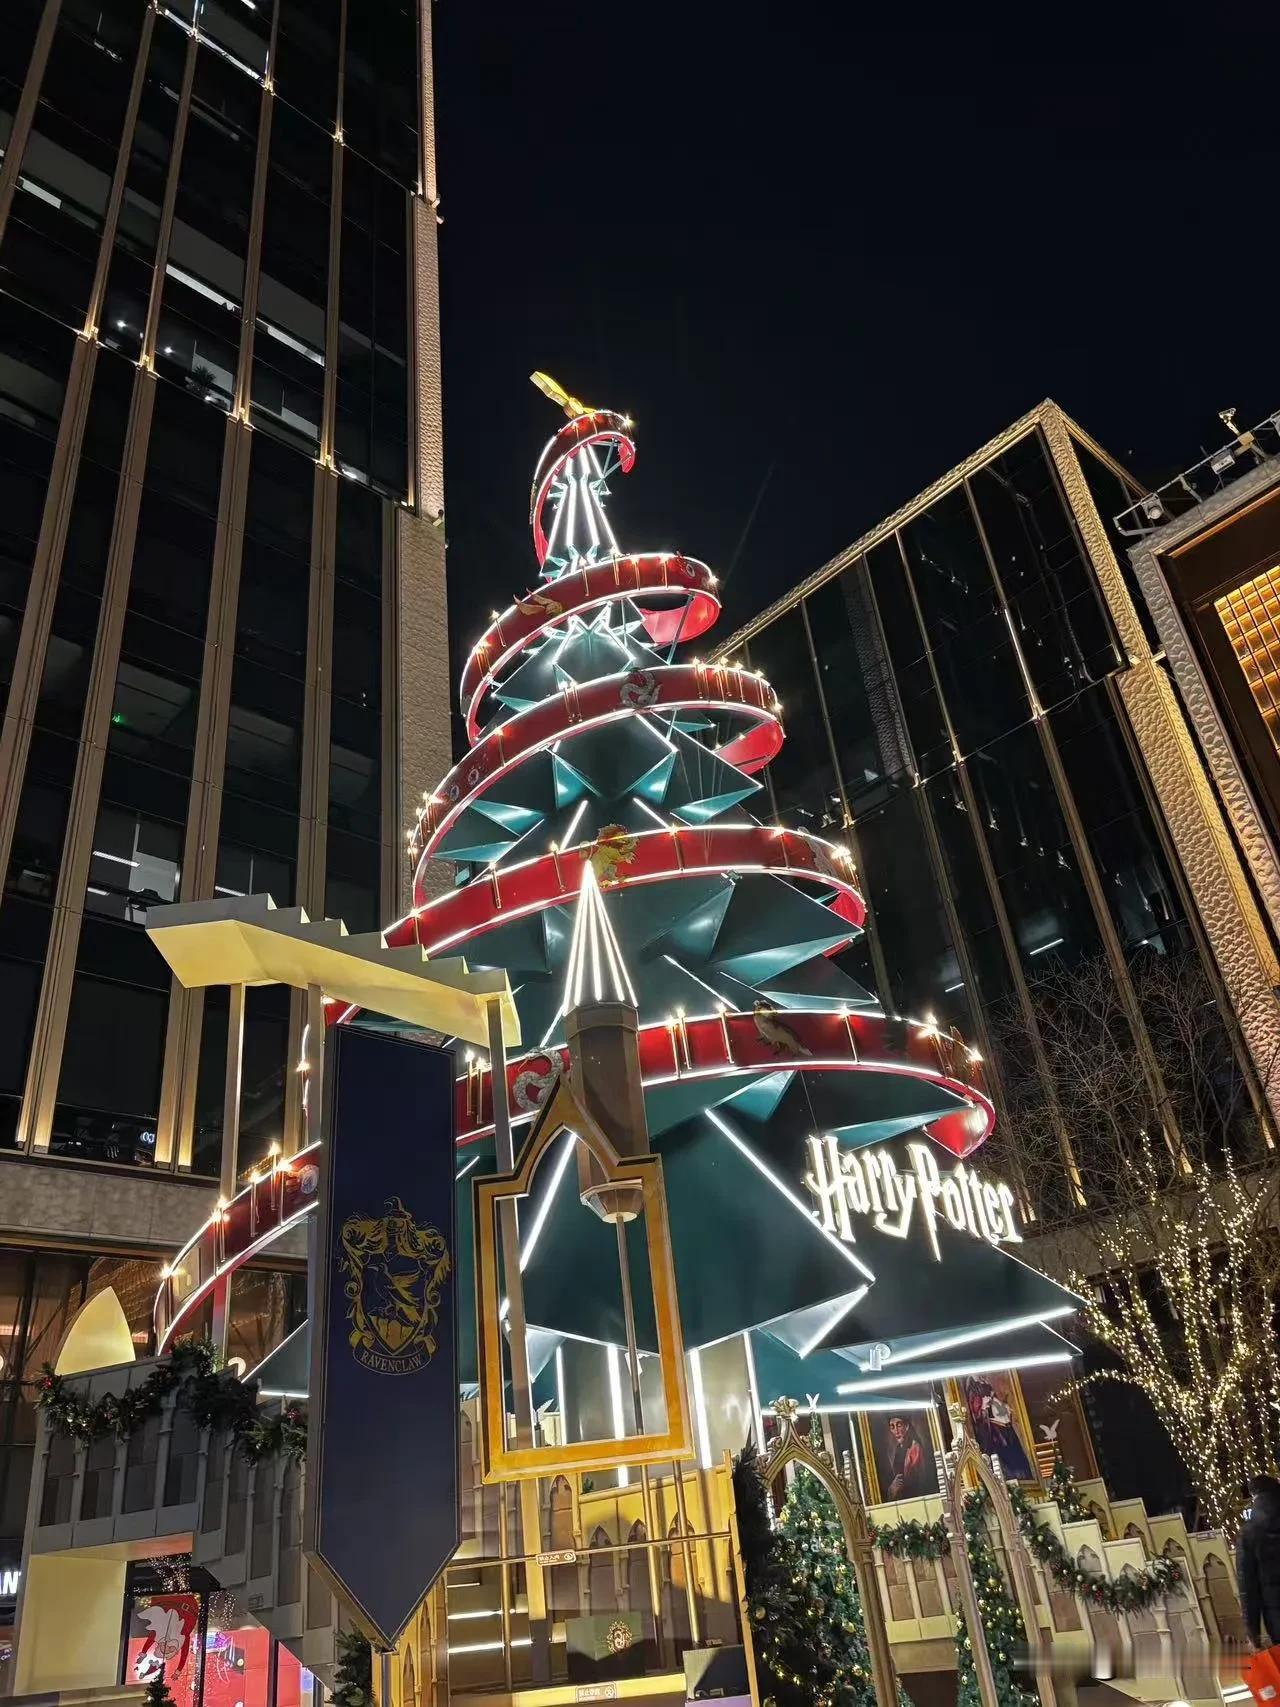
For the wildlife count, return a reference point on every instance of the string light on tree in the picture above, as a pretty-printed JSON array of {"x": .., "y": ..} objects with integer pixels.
[{"x": 801, "y": 1594}]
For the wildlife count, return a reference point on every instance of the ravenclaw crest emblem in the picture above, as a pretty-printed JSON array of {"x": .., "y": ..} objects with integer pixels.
[{"x": 396, "y": 1271}]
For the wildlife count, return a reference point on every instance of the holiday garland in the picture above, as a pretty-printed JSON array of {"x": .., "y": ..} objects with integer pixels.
[
  {"x": 1062, "y": 1490},
  {"x": 214, "y": 1399},
  {"x": 1133, "y": 1593}
]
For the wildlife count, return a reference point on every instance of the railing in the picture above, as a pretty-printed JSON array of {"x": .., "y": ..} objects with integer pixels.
[
  {"x": 1178, "y": 497},
  {"x": 601, "y": 1613},
  {"x": 109, "y": 1490},
  {"x": 170, "y": 1478}
]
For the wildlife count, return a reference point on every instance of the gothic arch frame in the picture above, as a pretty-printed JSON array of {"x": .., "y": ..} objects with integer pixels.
[
  {"x": 792, "y": 1448},
  {"x": 964, "y": 1457}
]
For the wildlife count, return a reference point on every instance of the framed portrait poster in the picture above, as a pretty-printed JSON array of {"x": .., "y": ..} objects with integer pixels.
[
  {"x": 1057, "y": 1424},
  {"x": 996, "y": 1415},
  {"x": 899, "y": 1451}
]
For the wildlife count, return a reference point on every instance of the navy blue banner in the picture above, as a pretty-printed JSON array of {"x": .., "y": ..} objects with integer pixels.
[{"x": 382, "y": 1440}]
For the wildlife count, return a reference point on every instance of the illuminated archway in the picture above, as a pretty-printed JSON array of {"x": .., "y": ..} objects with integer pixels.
[{"x": 99, "y": 1336}]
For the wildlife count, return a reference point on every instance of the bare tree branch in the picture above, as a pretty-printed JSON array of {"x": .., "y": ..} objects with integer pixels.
[{"x": 1175, "y": 1247}]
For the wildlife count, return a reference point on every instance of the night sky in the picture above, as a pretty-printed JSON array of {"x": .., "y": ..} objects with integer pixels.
[{"x": 820, "y": 262}]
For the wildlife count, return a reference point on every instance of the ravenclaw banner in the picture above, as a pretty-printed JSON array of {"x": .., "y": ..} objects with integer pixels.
[{"x": 382, "y": 1456}]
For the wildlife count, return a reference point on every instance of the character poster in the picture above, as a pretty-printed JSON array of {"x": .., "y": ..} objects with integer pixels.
[
  {"x": 164, "y": 1636},
  {"x": 997, "y": 1418},
  {"x": 1057, "y": 1424},
  {"x": 900, "y": 1454}
]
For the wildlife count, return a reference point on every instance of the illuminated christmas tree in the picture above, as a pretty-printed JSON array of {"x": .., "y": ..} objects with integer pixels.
[
  {"x": 802, "y": 1598},
  {"x": 594, "y": 751}
]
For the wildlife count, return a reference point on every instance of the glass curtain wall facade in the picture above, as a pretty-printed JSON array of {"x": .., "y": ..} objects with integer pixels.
[
  {"x": 220, "y": 513},
  {"x": 207, "y": 388},
  {"x": 950, "y": 686}
]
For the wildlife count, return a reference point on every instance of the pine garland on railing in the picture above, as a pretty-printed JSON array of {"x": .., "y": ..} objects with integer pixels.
[
  {"x": 353, "y": 1680},
  {"x": 1119, "y": 1594},
  {"x": 214, "y": 1399},
  {"x": 1134, "y": 1593}
]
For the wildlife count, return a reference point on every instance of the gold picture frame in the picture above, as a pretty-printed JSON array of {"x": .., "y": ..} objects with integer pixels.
[
  {"x": 500, "y": 1461},
  {"x": 956, "y": 1393},
  {"x": 930, "y": 1439}
]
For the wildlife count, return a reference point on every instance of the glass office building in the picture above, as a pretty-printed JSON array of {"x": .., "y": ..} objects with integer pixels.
[
  {"x": 220, "y": 523},
  {"x": 971, "y": 692}
]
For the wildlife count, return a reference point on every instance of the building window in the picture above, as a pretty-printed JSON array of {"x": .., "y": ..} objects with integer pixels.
[
  {"x": 802, "y": 777},
  {"x": 262, "y": 1084},
  {"x": 51, "y": 242},
  {"x": 306, "y": 60},
  {"x": 1034, "y": 860},
  {"x": 902, "y": 886},
  {"x": 867, "y": 723},
  {"x": 1052, "y": 590},
  {"x": 135, "y": 865},
  {"x": 372, "y": 423},
  {"x": 109, "y": 1091},
  {"x": 1250, "y": 614},
  {"x": 968, "y": 634},
  {"x": 926, "y": 725},
  {"x": 380, "y": 95},
  {"x": 289, "y": 349}
]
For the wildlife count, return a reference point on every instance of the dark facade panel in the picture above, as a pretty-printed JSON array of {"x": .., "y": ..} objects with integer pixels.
[
  {"x": 231, "y": 187},
  {"x": 959, "y": 672}
]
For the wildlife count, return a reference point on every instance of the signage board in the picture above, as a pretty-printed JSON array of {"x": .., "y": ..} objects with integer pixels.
[
  {"x": 382, "y": 1516},
  {"x": 900, "y": 1201}
]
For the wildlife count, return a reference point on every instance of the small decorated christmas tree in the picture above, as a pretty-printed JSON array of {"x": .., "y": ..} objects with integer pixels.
[
  {"x": 1001, "y": 1621},
  {"x": 802, "y": 1596},
  {"x": 157, "y": 1692}
]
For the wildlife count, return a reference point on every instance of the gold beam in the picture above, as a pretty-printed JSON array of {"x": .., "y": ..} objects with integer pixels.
[{"x": 251, "y": 941}]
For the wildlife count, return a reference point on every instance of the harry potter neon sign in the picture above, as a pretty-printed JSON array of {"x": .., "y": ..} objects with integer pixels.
[{"x": 846, "y": 1183}]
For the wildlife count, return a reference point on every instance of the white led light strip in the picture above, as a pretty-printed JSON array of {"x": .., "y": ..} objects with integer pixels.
[{"x": 954, "y": 1370}]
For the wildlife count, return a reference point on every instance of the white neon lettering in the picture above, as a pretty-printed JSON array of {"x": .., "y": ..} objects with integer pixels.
[{"x": 850, "y": 1183}]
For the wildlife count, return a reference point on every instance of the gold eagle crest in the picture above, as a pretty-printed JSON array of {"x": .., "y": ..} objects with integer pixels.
[{"x": 396, "y": 1270}]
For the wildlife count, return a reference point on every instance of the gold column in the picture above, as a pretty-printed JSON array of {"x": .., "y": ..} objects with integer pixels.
[
  {"x": 37, "y": 617},
  {"x": 165, "y": 231},
  {"x": 204, "y": 809},
  {"x": 45, "y": 1062},
  {"x": 1227, "y": 911},
  {"x": 111, "y": 218},
  {"x": 25, "y": 110}
]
